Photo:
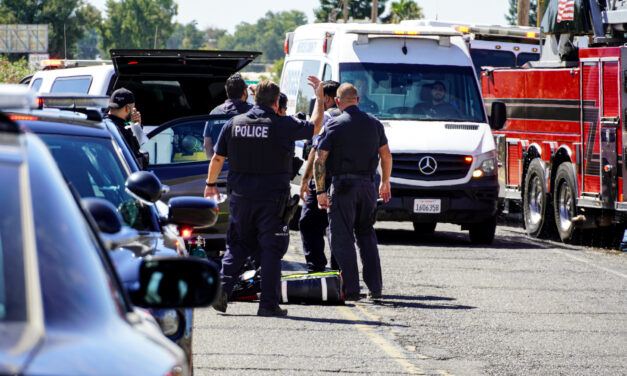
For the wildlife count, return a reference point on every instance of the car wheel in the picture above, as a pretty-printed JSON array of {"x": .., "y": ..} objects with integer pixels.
[
  {"x": 483, "y": 232},
  {"x": 536, "y": 212},
  {"x": 564, "y": 203},
  {"x": 422, "y": 228}
]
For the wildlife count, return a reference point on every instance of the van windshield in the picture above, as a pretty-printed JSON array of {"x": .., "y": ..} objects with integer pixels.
[{"x": 415, "y": 92}]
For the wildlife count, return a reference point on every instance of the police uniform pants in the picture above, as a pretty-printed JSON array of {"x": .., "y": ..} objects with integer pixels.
[
  {"x": 255, "y": 225},
  {"x": 312, "y": 225},
  {"x": 351, "y": 218}
]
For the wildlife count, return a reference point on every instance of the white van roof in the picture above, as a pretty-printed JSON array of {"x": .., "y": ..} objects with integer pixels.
[{"x": 376, "y": 29}]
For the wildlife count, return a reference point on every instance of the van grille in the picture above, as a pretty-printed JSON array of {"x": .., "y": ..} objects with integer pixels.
[
  {"x": 449, "y": 166},
  {"x": 463, "y": 127}
]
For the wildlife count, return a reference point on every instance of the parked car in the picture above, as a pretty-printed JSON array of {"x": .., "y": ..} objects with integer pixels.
[
  {"x": 63, "y": 309},
  {"x": 174, "y": 90},
  {"x": 97, "y": 162}
]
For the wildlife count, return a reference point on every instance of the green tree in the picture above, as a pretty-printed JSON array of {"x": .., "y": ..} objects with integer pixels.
[
  {"x": 404, "y": 10},
  {"x": 357, "y": 9},
  {"x": 12, "y": 73},
  {"x": 213, "y": 36},
  {"x": 89, "y": 46},
  {"x": 138, "y": 24},
  {"x": 277, "y": 69},
  {"x": 187, "y": 37},
  {"x": 67, "y": 20},
  {"x": 512, "y": 13},
  {"x": 267, "y": 35}
]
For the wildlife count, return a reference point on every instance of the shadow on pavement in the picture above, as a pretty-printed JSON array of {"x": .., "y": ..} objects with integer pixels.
[
  {"x": 404, "y": 304},
  {"x": 421, "y": 298},
  {"x": 340, "y": 321}
]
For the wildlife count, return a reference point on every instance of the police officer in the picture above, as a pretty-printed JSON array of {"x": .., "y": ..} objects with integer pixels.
[
  {"x": 313, "y": 220},
  {"x": 121, "y": 111},
  {"x": 237, "y": 94},
  {"x": 259, "y": 147},
  {"x": 349, "y": 151}
]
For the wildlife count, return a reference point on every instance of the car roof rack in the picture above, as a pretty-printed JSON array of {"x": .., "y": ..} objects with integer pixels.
[{"x": 94, "y": 106}]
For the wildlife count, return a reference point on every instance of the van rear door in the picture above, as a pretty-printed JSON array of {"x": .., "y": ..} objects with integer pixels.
[{"x": 169, "y": 84}]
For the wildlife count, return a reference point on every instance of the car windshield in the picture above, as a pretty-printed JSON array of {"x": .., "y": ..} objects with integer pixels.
[
  {"x": 95, "y": 170},
  {"x": 415, "y": 92},
  {"x": 12, "y": 282}
]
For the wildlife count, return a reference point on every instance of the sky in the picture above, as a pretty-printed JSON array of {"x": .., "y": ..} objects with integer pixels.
[{"x": 228, "y": 14}]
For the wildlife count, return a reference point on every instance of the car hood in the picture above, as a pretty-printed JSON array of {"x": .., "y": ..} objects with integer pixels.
[
  {"x": 438, "y": 137},
  {"x": 180, "y": 62}
]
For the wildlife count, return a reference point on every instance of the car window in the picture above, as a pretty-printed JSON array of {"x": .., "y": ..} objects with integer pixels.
[
  {"x": 12, "y": 281},
  {"x": 183, "y": 142},
  {"x": 95, "y": 170},
  {"x": 327, "y": 73},
  {"x": 76, "y": 287},
  {"x": 74, "y": 85},
  {"x": 524, "y": 57},
  {"x": 295, "y": 84},
  {"x": 37, "y": 84},
  {"x": 491, "y": 58}
]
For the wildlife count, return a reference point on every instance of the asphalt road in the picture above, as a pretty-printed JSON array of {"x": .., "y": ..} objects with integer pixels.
[{"x": 519, "y": 307}]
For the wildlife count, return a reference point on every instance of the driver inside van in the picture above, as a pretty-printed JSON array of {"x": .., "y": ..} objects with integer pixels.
[
  {"x": 365, "y": 103},
  {"x": 435, "y": 105}
]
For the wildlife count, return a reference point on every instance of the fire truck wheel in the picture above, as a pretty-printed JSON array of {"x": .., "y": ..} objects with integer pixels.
[
  {"x": 564, "y": 203},
  {"x": 483, "y": 232},
  {"x": 421, "y": 228},
  {"x": 536, "y": 203}
]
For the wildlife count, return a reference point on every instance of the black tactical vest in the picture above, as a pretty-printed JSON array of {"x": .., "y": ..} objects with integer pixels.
[{"x": 253, "y": 148}]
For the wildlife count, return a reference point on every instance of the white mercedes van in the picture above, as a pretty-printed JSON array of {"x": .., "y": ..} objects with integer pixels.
[{"x": 444, "y": 160}]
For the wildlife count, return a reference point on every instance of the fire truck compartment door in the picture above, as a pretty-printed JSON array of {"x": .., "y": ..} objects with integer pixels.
[{"x": 609, "y": 160}]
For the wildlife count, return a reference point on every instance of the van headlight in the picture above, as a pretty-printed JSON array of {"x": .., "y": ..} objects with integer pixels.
[{"x": 487, "y": 165}]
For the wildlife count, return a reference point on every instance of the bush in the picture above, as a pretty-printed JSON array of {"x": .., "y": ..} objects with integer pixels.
[{"x": 13, "y": 72}]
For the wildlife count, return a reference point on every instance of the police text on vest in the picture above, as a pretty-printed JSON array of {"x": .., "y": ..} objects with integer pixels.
[{"x": 251, "y": 131}]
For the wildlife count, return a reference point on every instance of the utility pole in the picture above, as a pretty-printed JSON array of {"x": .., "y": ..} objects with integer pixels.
[
  {"x": 523, "y": 13},
  {"x": 539, "y": 12},
  {"x": 374, "y": 14},
  {"x": 345, "y": 11}
]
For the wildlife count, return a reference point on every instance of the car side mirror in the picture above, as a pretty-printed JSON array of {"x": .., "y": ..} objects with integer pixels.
[
  {"x": 499, "y": 115},
  {"x": 104, "y": 213},
  {"x": 106, "y": 217},
  {"x": 197, "y": 212},
  {"x": 144, "y": 186},
  {"x": 176, "y": 282}
]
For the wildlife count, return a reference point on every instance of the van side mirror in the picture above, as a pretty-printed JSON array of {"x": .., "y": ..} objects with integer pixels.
[
  {"x": 144, "y": 186},
  {"x": 176, "y": 282},
  {"x": 197, "y": 212},
  {"x": 499, "y": 115}
]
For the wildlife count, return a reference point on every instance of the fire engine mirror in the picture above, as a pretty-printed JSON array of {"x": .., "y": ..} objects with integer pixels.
[{"x": 499, "y": 115}]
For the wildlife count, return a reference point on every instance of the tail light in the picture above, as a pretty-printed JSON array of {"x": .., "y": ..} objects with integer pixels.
[
  {"x": 186, "y": 232},
  {"x": 286, "y": 45}
]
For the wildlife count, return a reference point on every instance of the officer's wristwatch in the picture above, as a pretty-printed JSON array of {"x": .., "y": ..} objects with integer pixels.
[{"x": 211, "y": 184}]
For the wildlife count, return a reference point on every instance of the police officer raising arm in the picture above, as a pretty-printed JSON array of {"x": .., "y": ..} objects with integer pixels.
[
  {"x": 259, "y": 146},
  {"x": 349, "y": 151}
]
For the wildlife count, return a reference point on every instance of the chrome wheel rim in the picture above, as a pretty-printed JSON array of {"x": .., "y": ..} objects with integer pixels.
[
  {"x": 535, "y": 198},
  {"x": 565, "y": 207}
]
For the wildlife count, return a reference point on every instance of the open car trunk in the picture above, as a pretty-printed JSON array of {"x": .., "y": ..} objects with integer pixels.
[{"x": 170, "y": 84}]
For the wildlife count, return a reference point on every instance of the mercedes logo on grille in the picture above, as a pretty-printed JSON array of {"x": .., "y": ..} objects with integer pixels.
[{"x": 427, "y": 165}]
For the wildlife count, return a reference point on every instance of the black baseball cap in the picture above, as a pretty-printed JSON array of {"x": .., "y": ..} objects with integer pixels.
[{"x": 121, "y": 98}]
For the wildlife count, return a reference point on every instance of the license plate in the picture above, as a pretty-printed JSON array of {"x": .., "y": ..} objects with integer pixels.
[{"x": 422, "y": 205}]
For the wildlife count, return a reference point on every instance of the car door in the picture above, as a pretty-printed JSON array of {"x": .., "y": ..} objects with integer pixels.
[{"x": 178, "y": 157}]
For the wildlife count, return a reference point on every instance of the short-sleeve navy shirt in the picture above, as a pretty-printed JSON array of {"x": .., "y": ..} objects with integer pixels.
[
  {"x": 359, "y": 135},
  {"x": 229, "y": 107},
  {"x": 265, "y": 186}
]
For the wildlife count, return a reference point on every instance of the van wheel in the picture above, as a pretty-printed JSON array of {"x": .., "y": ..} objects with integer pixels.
[
  {"x": 564, "y": 203},
  {"x": 482, "y": 232},
  {"x": 421, "y": 228},
  {"x": 536, "y": 211}
]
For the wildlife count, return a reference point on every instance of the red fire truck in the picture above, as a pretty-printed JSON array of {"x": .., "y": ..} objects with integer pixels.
[{"x": 562, "y": 151}]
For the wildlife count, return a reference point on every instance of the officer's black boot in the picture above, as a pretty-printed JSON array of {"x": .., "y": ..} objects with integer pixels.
[
  {"x": 221, "y": 301},
  {"x": 267, "y": 312}
]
